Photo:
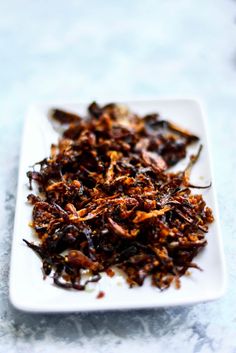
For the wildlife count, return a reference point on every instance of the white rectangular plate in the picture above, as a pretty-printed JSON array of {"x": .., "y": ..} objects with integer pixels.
[{"x": 28, "y": 290}]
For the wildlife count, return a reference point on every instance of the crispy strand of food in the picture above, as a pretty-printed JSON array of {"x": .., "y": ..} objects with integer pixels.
[{"x": 143, "y": 216}]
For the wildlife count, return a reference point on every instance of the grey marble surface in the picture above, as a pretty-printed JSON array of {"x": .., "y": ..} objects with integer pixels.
[{"x": 81, "y": 50}]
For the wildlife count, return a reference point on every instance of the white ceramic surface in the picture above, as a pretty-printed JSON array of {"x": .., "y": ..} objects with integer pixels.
[{"x": 28, "y": 290}]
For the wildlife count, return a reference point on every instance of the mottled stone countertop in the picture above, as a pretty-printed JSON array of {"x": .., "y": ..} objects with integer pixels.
[{"x": 81, "y": 50}]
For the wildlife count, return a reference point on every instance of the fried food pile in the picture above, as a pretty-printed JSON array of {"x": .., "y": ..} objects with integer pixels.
[{"x": 105, "y": 198}]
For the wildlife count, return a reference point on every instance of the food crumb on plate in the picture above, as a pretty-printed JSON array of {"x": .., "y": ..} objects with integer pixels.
[
  {"x": 100, "y": 295},
  {"x": 110, "y": 272}
]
